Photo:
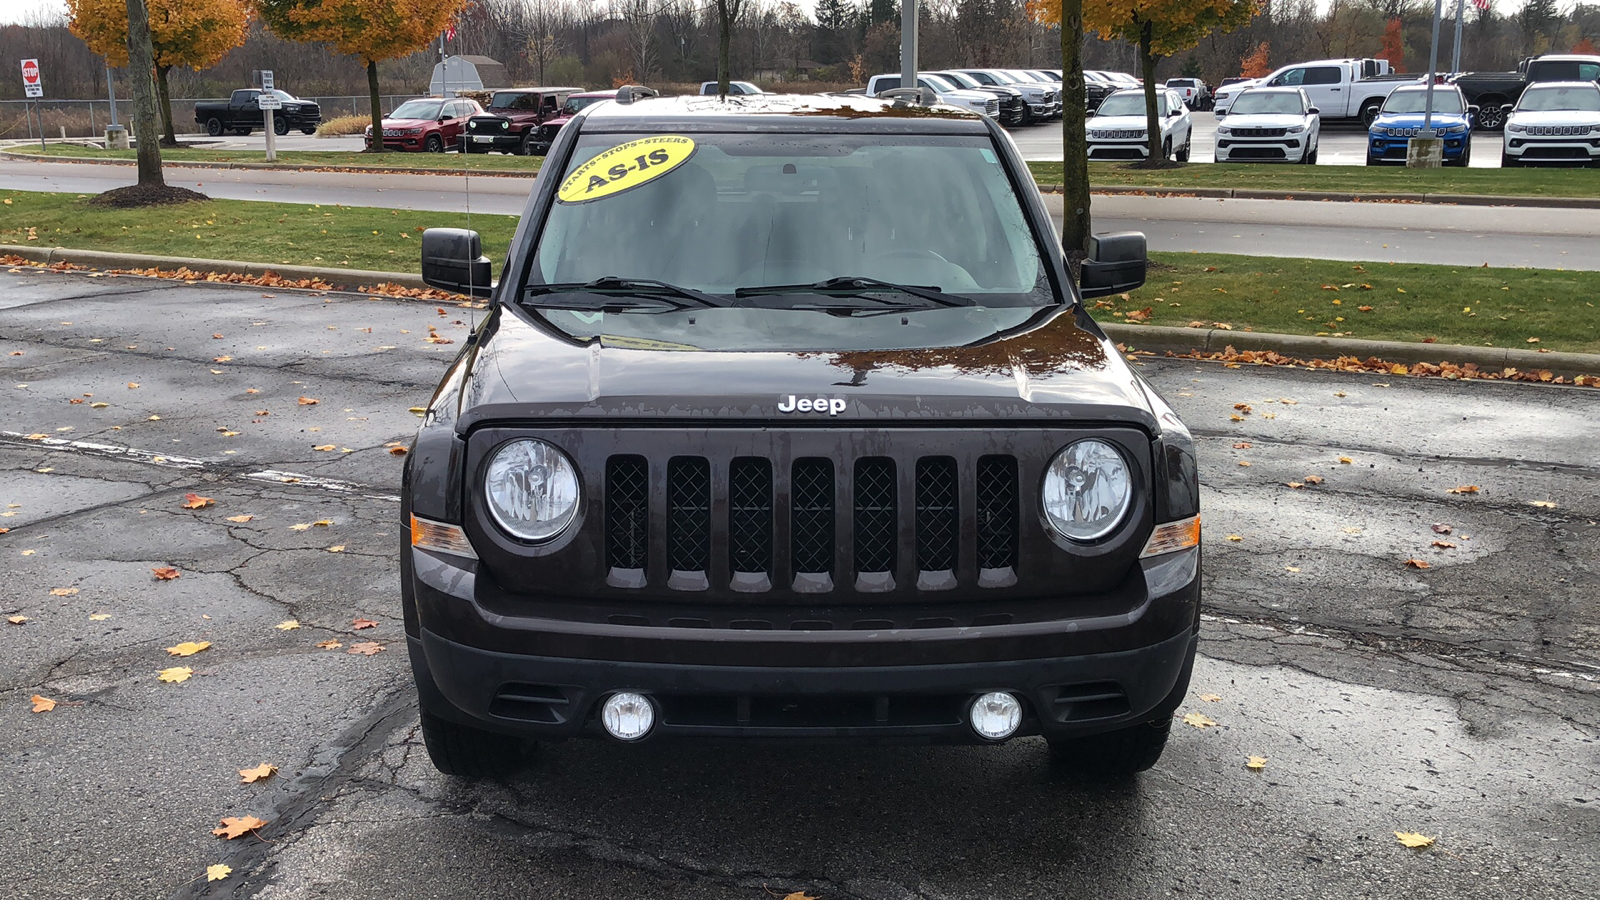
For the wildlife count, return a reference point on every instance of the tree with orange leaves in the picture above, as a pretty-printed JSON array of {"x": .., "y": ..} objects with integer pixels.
[
  {"x": 1161, "y": 28},
  {"x": 374, "y": 30},
  {"x": 195, "y": 34},
  {"x": 1259, "y": 63},
  {"x": 1394, "y": 45}
]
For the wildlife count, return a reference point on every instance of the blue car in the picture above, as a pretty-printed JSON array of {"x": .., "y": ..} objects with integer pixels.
[{"x": 1402, "y": 118}]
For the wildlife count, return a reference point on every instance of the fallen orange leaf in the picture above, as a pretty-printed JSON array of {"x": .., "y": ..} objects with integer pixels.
[
  {"x": 188, "y": 648},
  {"x": 365, "y": 648},
  {"x": 192, "y": 500},
  {"x": 308, "y": 401},
  {"x": 359, "y": 624},
  {"x": 166, "y": 573},
  {"x": 1464, "y": 489},
  {"x": 1417, "y": 564},
  {"x": 251, "y": 776},
  {"x": 237, "y": 826},
  {"x": 42, "y": 704}
]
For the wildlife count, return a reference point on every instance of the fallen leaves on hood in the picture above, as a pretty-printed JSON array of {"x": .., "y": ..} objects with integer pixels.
[
  {"x": 1413, "y": 840},
  {"x": 1199, "y": 720},
  {"x": 192, "y": 500},
  {"x": 218, "y": 872},
  {"x": 1463, "y": 489},
  {"x": 175, "y": 675},
  {"x": 1417, "y": 564},
  {"x": 188, "y": 648},
  {"x": 166, "y": 573},
  {"x": 1255, "y": 763},
  {"x": 42, "y": 704},
  {"x": 365, "y": 648},
  {"x": 237, "y": 826},
  {"x": 251, "y": 776}
]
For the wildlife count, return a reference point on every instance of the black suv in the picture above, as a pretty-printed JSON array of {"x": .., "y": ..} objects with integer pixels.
[{"x": 786, "y": 421}]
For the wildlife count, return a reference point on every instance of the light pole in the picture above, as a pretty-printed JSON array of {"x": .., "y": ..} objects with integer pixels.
[{"x": 908, "y": 43}]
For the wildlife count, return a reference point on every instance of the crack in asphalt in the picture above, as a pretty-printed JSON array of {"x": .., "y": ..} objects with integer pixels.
[{"x": 1554, "y": 468}]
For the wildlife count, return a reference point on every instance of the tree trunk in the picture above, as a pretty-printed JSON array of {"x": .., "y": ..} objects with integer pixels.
[
  {"x": 1074, "y": 143},
  {"x": 141, "y": 66},
  {"x": 1147, "y": 65},
  {"x": 164, "y": 94},
  {"x": 724, "y": 38},
  {"x": 377, "y": 110}
]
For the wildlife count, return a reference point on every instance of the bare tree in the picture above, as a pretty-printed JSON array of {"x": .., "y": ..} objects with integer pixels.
[
  {"x": 546, "y": 25},
  {"x": 639, "y": 18},
  {"x": 727, "y": 14}
]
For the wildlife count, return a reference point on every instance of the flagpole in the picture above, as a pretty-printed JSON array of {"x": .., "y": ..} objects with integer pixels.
[{"x": 1455, "y": 53}]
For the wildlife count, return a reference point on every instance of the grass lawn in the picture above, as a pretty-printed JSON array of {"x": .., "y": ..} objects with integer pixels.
[
  {"x": 1351, "y": 179},
  {"x": 1377, "y": 301},
  {"x": 305, "y": 159},
  {"x": 278, "y": 233}
]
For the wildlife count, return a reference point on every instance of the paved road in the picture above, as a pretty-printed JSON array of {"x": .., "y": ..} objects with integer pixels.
[
  {"x": 1541, "y": 238},
  {"x": 1462, "y": 701}
]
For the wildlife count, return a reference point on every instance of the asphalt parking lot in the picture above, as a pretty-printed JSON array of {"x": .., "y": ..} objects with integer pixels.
[{"x": 1461, "y": 701}]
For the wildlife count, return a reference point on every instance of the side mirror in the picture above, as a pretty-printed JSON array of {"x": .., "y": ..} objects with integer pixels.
[
  {"x": 1116, "y": 263},
  {"x": 453, "y": 260},
  {"x": 1314, "y": 111},
  {"x": 1505, "y": 107},
  {"x": 1220, "y": 112}
]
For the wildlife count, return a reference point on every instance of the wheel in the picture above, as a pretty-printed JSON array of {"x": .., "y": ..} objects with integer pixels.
[
  {"x": 434, "y": 144},
  {"x": 280, "y": 126},
  {"x": 526, "y": 147},
  {"x": 1183, "y": 154},
  {"x": 214, "y": 126},
  {"x": 1507, "y": 161},
  {"x": 1166, "y": 149},
  {"x": 467, "y": 752},
  {"x": 1465, "y": 159},
  {"x": 1490, "y": 116},
  {"x": 308, "y": 129},
  {"x": 1371, "y": 160},
  {"x": 1115, "y": 755},
  {"x": 1310, "y": 158},
  {"x": 1369, "y": 113}
]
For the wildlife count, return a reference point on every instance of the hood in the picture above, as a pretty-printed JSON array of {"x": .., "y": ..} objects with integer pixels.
[
  {"x": 409, "y": 123},
  {"x": 1554, "y": 117},
  {"x": 557, "y": 122},
  {"x": 1117, "y": 122},
  {"x": 1415, "y": 120},
  {"x": 1261, "y": 120},
  {"x": 966, "y": 95},
  {"x": 1059, "y": 370},
  {"x": 1233, "y": 90}
]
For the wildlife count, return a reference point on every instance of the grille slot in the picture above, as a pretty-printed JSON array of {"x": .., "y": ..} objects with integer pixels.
[
  {"x": 997, "y": 520},
  {"x": 688, "y": 521},
  {"x": 811, "y": 517},
  {"x": 627, "y": 516},
  {"x": 938, "y": 519},
  {"x": 876, "y": 524},
  {"x": 750, "y": 523}
]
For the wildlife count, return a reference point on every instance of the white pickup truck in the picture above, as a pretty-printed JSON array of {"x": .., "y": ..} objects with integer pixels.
[
  {"x": 1338, "y": 88},
  {"x": 977, "y": 101}
]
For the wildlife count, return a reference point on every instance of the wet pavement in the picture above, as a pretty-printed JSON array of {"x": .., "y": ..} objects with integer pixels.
[{"x": 1461, "y": 701}]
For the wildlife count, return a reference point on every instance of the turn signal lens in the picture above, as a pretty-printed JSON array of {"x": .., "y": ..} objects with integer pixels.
[
  {"x": 1173, "y": 536},
  {"x": 427, "y": 534}
]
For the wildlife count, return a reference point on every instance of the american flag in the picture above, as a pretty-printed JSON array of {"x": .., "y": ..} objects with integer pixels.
[
  {"x": 1481, "y": 4},
  {"x": 450, "y": 31}
]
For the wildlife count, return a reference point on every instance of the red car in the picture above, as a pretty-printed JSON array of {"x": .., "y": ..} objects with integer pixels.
[
  {"x": 546, "y": 133},
  {"x": 429, "y": 123}
]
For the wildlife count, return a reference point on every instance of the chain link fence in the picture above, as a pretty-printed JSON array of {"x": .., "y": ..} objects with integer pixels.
[{"x": 55, "y": 119}]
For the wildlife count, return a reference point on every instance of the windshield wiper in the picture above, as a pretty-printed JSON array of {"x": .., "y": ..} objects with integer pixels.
[
  {"x": 611, "y": 286},
  {"x": 852, "y": 286}
]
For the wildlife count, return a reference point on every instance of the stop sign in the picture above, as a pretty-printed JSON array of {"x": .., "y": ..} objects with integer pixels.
[{"x": 30, "y": 71}]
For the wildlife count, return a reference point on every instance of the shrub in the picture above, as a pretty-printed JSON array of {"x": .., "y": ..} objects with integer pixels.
[{"x": 344, "y": 125}]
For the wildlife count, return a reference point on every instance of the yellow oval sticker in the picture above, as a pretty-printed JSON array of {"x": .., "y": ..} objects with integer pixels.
[{"x": 624, "y": 167}]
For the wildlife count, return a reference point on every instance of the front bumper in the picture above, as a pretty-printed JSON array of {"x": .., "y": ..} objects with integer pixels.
[
  {"x": 1118, "y": 149},
  {"x": 1282, "y": 149},
  {"x": 402, "y": 142},
  {"x": 506, "y": 142},
  {"x": 1393, "y": 149},
  {"x": 542, "y": 675},
  {"x": 1553, "y": 150}
]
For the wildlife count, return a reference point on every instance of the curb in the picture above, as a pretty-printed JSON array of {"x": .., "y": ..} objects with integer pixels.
[
  {"x": 1158, "y": 338},
  {"x": 96, "y": 259},
  {"x": 271, "y": 167},
  {"x": 1215, "y": 340},
  {"x": 1204, "y": 192},
  {"x": 1339, "y": 196}
]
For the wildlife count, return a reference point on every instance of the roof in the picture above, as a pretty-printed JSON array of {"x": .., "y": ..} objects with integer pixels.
[
  {"x": 541, "y": 90},
  {"x": 781, "y": 112},
  {"x": 478, "y": 60}
]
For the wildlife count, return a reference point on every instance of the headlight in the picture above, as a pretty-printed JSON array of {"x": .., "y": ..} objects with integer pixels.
[
  {"x": 1456, "y": 129},
  {"x": 1223, "y": 129},
  {"x": 505, "y": 124},
  {"x": 1087, "y": 489},
  {"x": 1295, "y": 129},
  {"x": 1517, "y": 128},
  {"x": 532, "y": 489}
]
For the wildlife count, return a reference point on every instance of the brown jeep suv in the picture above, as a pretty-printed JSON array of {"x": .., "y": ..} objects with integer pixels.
[{"x": 511, "y": 122}]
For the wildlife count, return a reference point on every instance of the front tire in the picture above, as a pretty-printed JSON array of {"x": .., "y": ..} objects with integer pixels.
[
  {"x": 280, "y": 127},
  {"x": 467, "y": 752},
  {"x": 1507, "y": 161},
  {"x": 1369, "y": 113},
  {"x": 308, "y": 129},
  {"x": 526, "y": 147},
  {"x": 1310, "y": 158},
  {"x": 1115, "y": 755},
  {"x": 1166, "y": 149},
  {"x": 434, "y": 144},
  {"x": 214, "y": 126},
  {"x": 1183, "y": 154}
]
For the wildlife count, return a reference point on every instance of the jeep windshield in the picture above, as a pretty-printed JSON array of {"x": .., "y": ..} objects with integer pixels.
[
  {"x": 1130, "y": 104},
  {"x": 1415, "y": 101},
  {"x": 815, "y": 241}
]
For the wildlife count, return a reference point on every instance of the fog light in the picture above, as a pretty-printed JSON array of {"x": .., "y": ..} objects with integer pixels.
[
  {"x": 996, "y": 715},
  {"x": 627, "y": 716}
]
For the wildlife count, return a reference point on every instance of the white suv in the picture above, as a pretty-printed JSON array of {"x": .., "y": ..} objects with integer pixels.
[
  {"x": 1278, "y": 124},
  {"x": 1554, "y": 122},
  {"x": 1117, "y": 128}
]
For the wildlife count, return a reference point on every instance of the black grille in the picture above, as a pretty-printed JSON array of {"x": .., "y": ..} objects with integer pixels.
[
  {"x": 1257, "y": 153},
  {"x": 875, "y": 520},
  {"x": 938, "y": 521},
  {"x": 688, "y": 514},
  {"x": 750, "y": 515},
  {"x": 811, "y": 515},
  {"x": 1259, "y": 132},
  {"x": 997, "y": 512},
  {"x": 627, "y": 511}
]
